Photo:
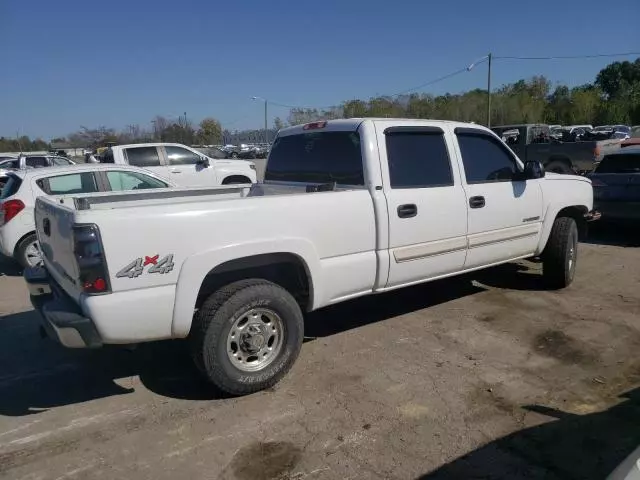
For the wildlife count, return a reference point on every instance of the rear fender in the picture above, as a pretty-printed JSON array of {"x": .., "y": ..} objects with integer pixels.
[{"x": 195, "y": 269}]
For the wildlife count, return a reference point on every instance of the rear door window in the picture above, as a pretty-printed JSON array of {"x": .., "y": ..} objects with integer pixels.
[
  {"x": 132, "y": 181},
  {"x": 319, "y": 157},
  {"x": 418, "y": 159},
  {"x": 69, "y": 184},
  {"x": 143, "y": 156}
]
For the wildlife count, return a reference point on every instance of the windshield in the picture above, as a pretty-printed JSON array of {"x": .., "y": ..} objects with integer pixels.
[
  {"x": 620, "y": 163},
  {"x": 11, "y": 187},
  {"x": 321, "y": 157}
]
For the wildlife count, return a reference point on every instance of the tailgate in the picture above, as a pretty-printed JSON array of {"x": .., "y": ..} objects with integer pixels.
[{"x": 54, "y": 224}]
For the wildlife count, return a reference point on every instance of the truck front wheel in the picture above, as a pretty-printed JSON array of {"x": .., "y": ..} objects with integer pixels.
[
  {"x": 247, "y": 335},
  {"x": 561, "y": 253}
]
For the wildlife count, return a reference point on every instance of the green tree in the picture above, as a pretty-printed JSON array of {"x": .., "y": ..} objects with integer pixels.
[
  {"x": 617, "y": 77},
  {"x": 278, "y": 124},
  {"x": 210, "y": 132}
]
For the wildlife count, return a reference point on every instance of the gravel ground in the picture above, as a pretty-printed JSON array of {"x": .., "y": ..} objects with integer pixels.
[{"x": 486, "y": 376}]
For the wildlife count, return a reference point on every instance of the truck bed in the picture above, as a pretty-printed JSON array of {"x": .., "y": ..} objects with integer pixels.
[{"x": 173, "y": 196}]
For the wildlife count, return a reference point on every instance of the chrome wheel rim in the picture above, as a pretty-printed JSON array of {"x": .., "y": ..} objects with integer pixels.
[
  {"x": 255, "y": 339},
  {"x": 572, "y": 252},
  {"x": 32, "y": 254}
]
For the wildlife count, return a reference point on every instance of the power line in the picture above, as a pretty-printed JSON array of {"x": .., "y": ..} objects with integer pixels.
[
  {"x": 567, "y": 57},
  {"x": 463, "y": 70},
  {"x": 418, "y": 87}
]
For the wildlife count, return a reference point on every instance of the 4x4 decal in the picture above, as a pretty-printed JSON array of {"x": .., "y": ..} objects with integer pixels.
[{"x": 136, "y": 268}]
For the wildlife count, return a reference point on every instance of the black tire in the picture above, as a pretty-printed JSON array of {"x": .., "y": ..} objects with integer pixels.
[
  {"x": 234, "y": 155},
  {"x": 558, "y": 166},
  {"x": 213, "y": 324},
  {"x": 560, "y": 255},
  {"x": 21, "y": 250}
]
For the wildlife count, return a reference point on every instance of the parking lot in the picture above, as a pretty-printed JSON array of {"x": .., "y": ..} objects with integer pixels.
[{"x": 485, "y": 376}]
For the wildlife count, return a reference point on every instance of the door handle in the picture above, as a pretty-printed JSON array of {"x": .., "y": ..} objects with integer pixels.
[
  {"x": 176, "y": 171},
  {"x": 407, "y": 211},
  {"x": 476, "y": 202}
]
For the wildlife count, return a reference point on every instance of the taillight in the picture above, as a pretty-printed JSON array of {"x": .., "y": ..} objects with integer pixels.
[
  {"x": 11, "y": 208},
  {"x": 315, "y": 125},
  {"x": 92, "y": 266}
]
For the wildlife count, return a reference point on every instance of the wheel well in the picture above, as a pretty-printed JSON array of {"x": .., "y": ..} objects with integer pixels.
[
  {"x": 285, "y": 269},
  {"x": 577, "y": 212},
  {"x": 559, "y": 159},
  {"x": 236, "y": 179},
  {"x": 15, "y": 248}
]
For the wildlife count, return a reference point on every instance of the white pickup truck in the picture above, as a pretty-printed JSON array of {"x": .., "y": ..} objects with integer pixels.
[
  {"x": 348, "y": 208},
  {"x": 181, "y": 164}
]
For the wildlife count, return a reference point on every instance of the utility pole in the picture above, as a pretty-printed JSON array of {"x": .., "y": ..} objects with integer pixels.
[
  {"x": 266, "y": 126},
  {"x": 266, "y": 123},
  {"x": 489, "y": 93}
]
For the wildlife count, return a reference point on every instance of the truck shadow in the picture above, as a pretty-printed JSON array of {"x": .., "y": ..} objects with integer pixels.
[
  {"x": 36, "y": 374},
  {"x": 375, "y": 308},
  {"x": 9, "y": 268},
  {"x": 572, "y": 446},
  {"x": 621, "y": 235}
]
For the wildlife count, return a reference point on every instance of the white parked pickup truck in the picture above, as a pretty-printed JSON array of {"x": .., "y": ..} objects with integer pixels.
[
  {"x": 183, "y": 165},
  {"x": 348, "y": 208}
]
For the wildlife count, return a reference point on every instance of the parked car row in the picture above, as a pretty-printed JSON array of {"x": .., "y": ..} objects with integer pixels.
[
  {"x": 22, "y": 162},
  {"x": 246, "y": 151},
  {"x": 17, "y": 199},
  {"x": 536, "y": 142},
  {"x": 250, "y": 259},
  {"x": 162, "y": 165},
  {"x": 576, "y": 133}
]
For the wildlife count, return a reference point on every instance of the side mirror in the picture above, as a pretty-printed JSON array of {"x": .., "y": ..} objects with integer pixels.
[
  {"x": 203, "y": 162},
  {"x": 533, "y": 170}
]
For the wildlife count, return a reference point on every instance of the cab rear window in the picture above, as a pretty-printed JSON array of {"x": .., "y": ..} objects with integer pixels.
[
  {"x": 11, "y": 187},
  {"x": 318, "y": 157}
]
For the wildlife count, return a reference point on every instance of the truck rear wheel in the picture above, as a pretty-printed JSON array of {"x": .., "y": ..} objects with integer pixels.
[
  {"x": 561, "y": 253},
  {"x": 247, "y": 335}
]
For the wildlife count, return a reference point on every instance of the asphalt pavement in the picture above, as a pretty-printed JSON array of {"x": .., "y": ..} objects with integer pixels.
[{"x": 483, "y": 376}]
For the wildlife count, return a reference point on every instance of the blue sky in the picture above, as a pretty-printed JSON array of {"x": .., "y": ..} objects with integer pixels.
[{"x": 114, "y": 63}]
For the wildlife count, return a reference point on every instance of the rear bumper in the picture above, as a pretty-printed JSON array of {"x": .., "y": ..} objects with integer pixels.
[
  {"x": 592, "y": 216},
  {"x": 62, "y": 319},
  {"x": 622, "y": 211}
]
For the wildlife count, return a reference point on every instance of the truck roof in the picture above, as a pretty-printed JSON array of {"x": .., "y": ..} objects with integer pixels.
[
  {"x": 150, "y": 144},
  {"x": 352, "y": 124}
]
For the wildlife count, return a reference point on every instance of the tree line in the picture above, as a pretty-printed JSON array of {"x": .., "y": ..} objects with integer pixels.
[
  {"x": 612, "y": 98},
  {"x": 23, "y": 144}
]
